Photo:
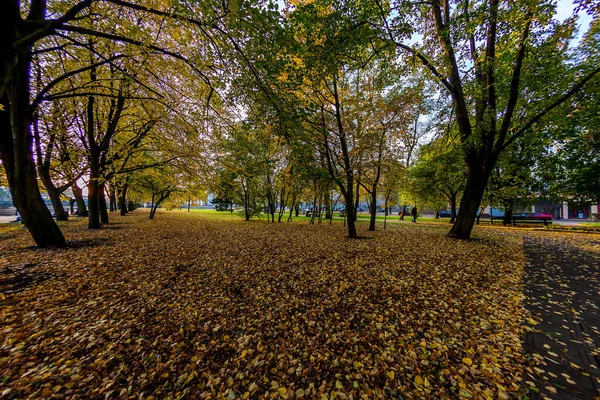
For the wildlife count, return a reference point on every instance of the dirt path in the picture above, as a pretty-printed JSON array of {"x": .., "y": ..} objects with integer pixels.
[{"x": 563, "y": 295}]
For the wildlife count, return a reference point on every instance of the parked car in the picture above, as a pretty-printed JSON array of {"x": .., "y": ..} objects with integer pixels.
[{"x": 444, "y": 214}]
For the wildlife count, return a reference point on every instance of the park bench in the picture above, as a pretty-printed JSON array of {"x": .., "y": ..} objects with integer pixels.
[
  {"x": 544, "y": 221},
  {"x": 524, "y": 219}
]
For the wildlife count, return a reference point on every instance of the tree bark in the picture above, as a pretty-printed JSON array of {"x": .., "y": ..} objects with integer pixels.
[
  {"x": 373, "y": 208},
  {"x": 453, "y": 208},
  {"x": 16, "y": 153},
  {"x": 508, "y": 212},
  {"x": 93, "y": 197},
  {"x": 54, "y": 194},
  {"x": 469, "y": 204},
  {"x": 350, "y": 213},
  {"x": 81, "y": 207},
  {"x": 112, "y": 198},
  {"x": 123, "y": 198},
  {"x": 102, "y": 205},
  {"x": 356, "y": 199},
  {"x": 93, "y": 186}
]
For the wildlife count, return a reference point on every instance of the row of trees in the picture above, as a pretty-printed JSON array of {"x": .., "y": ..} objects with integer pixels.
[{"x": 265, "y": 105}]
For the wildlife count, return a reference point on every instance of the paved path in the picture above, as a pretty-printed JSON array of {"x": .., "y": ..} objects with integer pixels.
[
  {"x": 6, "y": 219},
  {"x": 563, "y": 294}
]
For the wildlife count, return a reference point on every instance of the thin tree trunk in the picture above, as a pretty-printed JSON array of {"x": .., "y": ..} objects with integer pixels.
[
  {"x": 123, "y": 198},
  {"x": 112, "y": 198},
  {"x": 53, "y": 193},
  {"x": 357, "y": 199},
  {"x": 386, "y": 214},
  {"x": 373, "y": 208},
  {"x": 350, "y": 213},
  {"x": 81, "y": 207},
  {"x": 453, "y": 208},
  {"x": 102, "y": 205}
]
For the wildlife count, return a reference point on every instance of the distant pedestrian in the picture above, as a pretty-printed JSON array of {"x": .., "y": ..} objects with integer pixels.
[{"x": 413, "y": 212}]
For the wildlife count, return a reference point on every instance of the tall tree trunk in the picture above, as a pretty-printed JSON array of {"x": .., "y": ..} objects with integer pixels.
[
  {"x": 292, "y": 206},
  {"x": 453, "y": 208},
  {"x": 93, "y": 185},
  {"x": 81, "y": 207},
  {"x": 350, "y": 211},
  {"x": 508, "y": 212},
  {"x": 93, "y": 197},
  {"x": 356, "y": 199},
  {"x": 327, "y": 203},
  {"x": 386, "y": 214},
  {"x": 373, "y": 208},
  {"x": 469, "y": 204},
  {"x": 16, "y": 152},
  {"x": 102, "y": 205},
  {"x": 123, "y": 198},
  {"x": 112, "y": 198},
  {"x": 314, "y": 211},
  {"x": 53, "y": 193}
]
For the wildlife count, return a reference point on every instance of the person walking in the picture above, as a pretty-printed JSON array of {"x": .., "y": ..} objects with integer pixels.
[{"x": 413, "y": 212}]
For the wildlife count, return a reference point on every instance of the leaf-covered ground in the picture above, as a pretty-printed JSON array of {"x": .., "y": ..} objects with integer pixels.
[
  {"x": 188, "y": 306},
  {"x": 562, "y": 278}
]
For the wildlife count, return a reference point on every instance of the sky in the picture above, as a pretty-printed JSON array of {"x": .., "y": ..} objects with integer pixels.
[{"x": 564, "y": 10}]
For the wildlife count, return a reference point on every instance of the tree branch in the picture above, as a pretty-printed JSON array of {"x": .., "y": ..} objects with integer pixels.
[{"x": 552, "y": 106}]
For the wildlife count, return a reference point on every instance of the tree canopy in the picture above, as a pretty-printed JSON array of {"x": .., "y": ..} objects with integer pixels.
[{"x": 319, "y": 102}]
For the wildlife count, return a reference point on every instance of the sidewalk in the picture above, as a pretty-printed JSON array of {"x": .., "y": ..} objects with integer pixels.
[
  {"x": 562, "y": 295},
  {"x": 6, "y": 219}
]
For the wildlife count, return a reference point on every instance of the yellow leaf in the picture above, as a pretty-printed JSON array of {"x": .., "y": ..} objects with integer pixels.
[
  {"x": 467, "y": 361},
  {"x": 282, "y": 391},
  {"x": 390, "y": 374},
  {"x": 418, "y": 380}
]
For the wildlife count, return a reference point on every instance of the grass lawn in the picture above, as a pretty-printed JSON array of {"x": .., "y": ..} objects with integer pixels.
[{"x": 205, "y": 305}]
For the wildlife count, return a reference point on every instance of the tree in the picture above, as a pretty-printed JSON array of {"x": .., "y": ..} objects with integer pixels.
[
  {"x": 438, "y": 174},
  {"x": 571, "y": 164},
  {"x": 25, "y": 26},
  {"x": 501, "y": 49},
  {"x": 331, "y": 44},
  {"x": 157, "y": 184}
]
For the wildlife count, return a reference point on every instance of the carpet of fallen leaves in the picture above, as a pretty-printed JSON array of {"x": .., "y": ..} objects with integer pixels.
[{"x": 192, "y": 307}]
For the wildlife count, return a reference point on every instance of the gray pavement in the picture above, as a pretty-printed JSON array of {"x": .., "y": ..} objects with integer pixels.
[
  {"x": 562, "y": 283},
  {"x": 7, "y": 219}
]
